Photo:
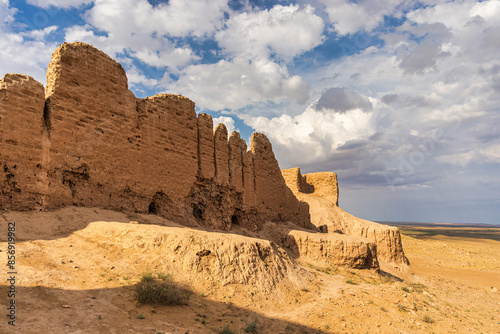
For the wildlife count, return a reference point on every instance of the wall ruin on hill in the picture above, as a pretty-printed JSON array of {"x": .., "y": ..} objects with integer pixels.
[
  {"x": 320, "y": 192},
  {"x": 88, "y": 141}
]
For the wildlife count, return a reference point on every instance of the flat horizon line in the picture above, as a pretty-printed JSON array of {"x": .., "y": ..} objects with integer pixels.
[{"x": 430, "y": 224}]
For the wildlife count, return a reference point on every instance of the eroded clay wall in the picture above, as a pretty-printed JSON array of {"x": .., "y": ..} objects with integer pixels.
[
  {"x": 90, "y": 142},
  {"x": 90, "y": 115},
  {"x": 322, "y": 184},
  {"x": 22, "y": 102},
  {"x": 221, "y": 155},
  {"x": 248, "y": 179},
  {"x": 167, "y": 150},
  {"x": 272, "y": 196},
  {"x": 206, "y": 164},
  {"x": 296, "y": 182},
  {"x": 237, "y": 147},
  {"x": 320, "y": 191}
]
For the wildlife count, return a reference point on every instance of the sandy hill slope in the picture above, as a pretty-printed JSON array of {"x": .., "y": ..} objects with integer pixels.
[
  {"x": 320, "y": 192},
  {"x": 77, "y": 269}
]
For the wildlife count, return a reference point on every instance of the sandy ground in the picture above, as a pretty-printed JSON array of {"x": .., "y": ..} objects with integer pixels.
[{"x": 70, "y": 281}]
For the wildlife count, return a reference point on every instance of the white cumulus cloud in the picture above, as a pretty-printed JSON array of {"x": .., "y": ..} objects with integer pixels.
[
  {"x": 350, "y": 17},
  {"x": 285, "y": 31},
  {"x": 177, "y": 18},
  {"x": 227, "y": 121},
  {"x": 25, "y": 52},
  {"x": 314, "y": 135},
  {"x": 6, "y": 13},
  {"x": 239, "y": 83}
]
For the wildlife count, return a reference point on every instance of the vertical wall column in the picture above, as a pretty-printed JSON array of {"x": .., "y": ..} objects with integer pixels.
[
  {"x": 206, "y": 163},
  {"x": 221, "y": 154},
  {"x": 236, "y": 160},
  {"x": 22, "y": 175}
]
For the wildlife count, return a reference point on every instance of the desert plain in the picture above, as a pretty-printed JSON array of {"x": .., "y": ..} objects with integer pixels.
[{"x": 77, "y": 269}]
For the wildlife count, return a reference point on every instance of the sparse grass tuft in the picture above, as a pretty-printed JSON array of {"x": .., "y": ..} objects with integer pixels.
[
  {"x": 252, "y": 327},
  {"x": 383, "y": 309},
  {"x": 351, "y": 282},
  {"x": 164, "y": 277},
  {"x": 331, "y": 270},
  {"x": 328, "y": 270},
  {"x": 427, "y": 319},
  {"x": 405, "y": 289},
  {"x": 417, "y": 287},
  {"x": 151, "y": 291},
  {"x": 402, "y": 308},
  {"x": 147, "y": 276},
  {"x": 141, "y": 316}
]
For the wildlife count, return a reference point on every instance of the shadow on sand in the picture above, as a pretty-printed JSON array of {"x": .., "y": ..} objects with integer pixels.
[
  {"x": 51, "y": 310},
  {"x": 45, "y": 309}
]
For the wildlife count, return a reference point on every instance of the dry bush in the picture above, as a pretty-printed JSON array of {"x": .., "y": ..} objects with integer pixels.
[{"x": 159, "y": 291}]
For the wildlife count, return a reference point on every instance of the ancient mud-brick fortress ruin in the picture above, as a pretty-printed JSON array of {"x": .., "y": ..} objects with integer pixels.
[{"x": 86, "y": 140}]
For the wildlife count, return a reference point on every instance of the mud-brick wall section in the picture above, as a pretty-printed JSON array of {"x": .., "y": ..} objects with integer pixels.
[
  {"x": 22, "y": 102},
  {"x": 89, "y": 141}
]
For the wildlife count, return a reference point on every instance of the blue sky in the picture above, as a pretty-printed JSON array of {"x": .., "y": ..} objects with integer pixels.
[{"x": 399, "y": 98}]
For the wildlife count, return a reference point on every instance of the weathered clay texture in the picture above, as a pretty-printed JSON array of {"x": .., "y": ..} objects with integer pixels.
[
  {"x": 325, "y": 249},
  {"x": 22, "y": 180},
  {"x": 221, "y": 155},
  {"x": 206, "y": 164},
  {"x": 332, "y": 250},
  {"x": 320, "y": 191},
  {"x": 90, "y": 142},
  {"x": 237, "y": 147},
  {"x": 268, "y": 182}
]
